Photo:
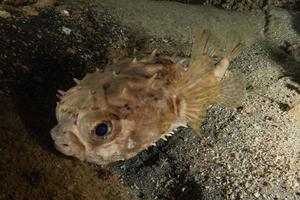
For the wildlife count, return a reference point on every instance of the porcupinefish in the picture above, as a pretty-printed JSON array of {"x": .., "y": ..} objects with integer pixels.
[{"x": 116, "y": 113}]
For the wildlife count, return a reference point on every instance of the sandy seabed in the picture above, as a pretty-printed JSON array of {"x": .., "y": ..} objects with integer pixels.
[{"x": 247, "y": 152}]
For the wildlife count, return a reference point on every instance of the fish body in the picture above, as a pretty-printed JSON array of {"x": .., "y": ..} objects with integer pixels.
[{"x": 115, "y": 114}]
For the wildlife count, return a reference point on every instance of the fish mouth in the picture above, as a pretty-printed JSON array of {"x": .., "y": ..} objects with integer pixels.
[
  {"x": 61, "y": 141},
  {"x": 67, "y": 143},
  {"x": 63, "y": 148}
]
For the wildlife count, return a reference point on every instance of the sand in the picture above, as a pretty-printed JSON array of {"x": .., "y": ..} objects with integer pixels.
[{"x": 247, "y": 152}]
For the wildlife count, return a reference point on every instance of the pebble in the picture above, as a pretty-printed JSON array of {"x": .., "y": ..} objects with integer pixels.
[
  {"x": 66, "y": 13},
  {"x": 66, "y": 30},
  {"x": 256, "y": 194},
  {"x": 247, "y": 185},
  {"x": 4, "y": 14}
]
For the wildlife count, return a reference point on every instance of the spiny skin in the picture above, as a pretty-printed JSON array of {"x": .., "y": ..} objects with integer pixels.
[{"x": 139, "y": 101}]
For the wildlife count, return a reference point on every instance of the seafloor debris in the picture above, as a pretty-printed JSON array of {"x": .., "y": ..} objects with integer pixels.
[
  {"x": 4, "y": 14},
  {"x": 17, "y": 2}
]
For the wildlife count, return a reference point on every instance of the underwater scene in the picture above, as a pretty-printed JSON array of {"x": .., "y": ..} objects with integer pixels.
[{"x": 149, "y": 99}]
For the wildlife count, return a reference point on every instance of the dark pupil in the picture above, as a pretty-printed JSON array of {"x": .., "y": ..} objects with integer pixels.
[{"x": 101, "y": 129}]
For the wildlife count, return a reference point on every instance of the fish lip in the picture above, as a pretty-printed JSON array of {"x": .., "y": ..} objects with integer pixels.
[
  {"x": 57, "y": 136},
  {"x": 54, "y": 132},
  {"x": 59, "y": 141},
  {"x": 64, "y": 145},
  {"x": 66, "y": 150},
  {"x": 94, "y": 160}
]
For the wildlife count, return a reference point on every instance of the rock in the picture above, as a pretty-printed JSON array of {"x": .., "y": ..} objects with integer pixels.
[{"x": 30, "y": 11}]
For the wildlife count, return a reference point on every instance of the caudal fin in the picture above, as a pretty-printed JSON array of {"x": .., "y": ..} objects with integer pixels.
[
  {"x": 232, "y": 90},
  {"x": 204, "y": 83},
  {"x": 233, "y": 83}
]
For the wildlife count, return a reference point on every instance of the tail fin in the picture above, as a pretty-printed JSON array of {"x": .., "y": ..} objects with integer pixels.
[
  {"x": 233, "y": 84},
  {"x": 232, "y": 90},
  {"x": 204, "y": 83}
]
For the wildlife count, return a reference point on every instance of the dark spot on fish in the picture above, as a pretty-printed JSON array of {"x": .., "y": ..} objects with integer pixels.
[
  {"x": 95, "y": 108},
  {"x": 126, "y": 106},
  {"x": 106, "y": 86}
]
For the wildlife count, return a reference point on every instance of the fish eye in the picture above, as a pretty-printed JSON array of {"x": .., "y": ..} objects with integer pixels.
[{"x": 102, "y": 129}]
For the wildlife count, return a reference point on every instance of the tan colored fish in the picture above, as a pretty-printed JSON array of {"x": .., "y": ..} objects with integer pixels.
[{"x": 115, "y": 114}]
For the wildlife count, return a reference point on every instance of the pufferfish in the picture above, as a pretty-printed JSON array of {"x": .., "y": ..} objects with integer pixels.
[{"x": 114, "y": 114}]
